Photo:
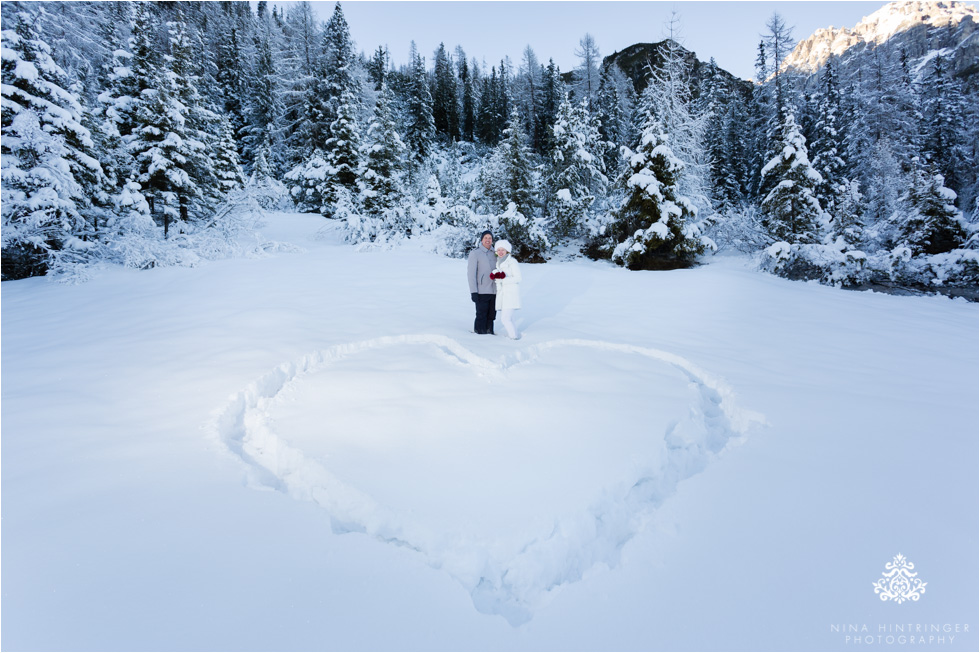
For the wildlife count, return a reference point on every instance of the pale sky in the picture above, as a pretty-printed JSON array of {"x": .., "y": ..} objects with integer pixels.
[{"x": 727, "y": 31}]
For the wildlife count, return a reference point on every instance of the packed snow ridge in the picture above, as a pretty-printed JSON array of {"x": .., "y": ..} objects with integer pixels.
[
  {"x": 516, "y": 576},
  {"x": 896, "y": 17}
]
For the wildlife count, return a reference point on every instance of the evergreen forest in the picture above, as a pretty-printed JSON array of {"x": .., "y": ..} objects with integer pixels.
[{"x": 149, "y": 134}]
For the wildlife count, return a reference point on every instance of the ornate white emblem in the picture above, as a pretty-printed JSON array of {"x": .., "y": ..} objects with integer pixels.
[{"x": 899, "y": 582}]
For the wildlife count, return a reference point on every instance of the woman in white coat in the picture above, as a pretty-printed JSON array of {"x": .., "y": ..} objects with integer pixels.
[{"x": 507, "y": 276}]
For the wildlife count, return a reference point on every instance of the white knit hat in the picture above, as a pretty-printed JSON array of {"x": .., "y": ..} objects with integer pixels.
[{"x": 502, "y": 244}]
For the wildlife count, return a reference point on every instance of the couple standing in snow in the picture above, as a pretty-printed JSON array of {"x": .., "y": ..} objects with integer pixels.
[{"x": 494, "y": 285}]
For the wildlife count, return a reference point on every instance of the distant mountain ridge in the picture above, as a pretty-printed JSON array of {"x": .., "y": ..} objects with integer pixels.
[{"x": 918, "y": 27}]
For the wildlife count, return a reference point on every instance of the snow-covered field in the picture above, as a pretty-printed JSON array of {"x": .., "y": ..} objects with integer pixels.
[{"x": 311, "y": 451}]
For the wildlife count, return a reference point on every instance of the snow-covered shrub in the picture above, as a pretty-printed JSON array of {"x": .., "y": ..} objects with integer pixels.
[
  {"x": 527, "y": 236},
  {"x": 838, "y": 265},
  {"x": 931, "y": 223},
  {"x": 957, "y": 268},
  {"x": 835, "y": 264},
  {"x": 457, "y": 231},
  {"x": 739, "y": 229},
  {"x": 462, "y": 229},
  {"x": 359, "y": 226},
  {"x": 309, "y": 184},
  {"x": 595, "y": 225},
  {"x": 131, "y": 238},
  {"x": 569, "y": 214},
  {"x": 972, "y": 228},
  {"x": 270, "y": 194}
]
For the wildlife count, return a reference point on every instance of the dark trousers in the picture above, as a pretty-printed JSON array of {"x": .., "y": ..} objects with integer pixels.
[{"x": 485, "y": 312}]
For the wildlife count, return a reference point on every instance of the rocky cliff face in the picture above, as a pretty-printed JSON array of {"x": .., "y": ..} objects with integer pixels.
[
  {"x": 918, "y": 28},
  {"x": 637, "y": 60}
]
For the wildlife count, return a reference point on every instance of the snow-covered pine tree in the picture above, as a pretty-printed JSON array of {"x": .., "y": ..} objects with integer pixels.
[
  {"x": 776, "y": 96},
  {"x": 118, "y": 96},
  {"x": 317, "y": 111},
  {"x": 451, "y": 177},
  {"x": 380, "y": 177},
  {"x": 495, "y": 105},
  {"x": 613, "y": 122},
  {"x": 897, "y": 109},
  {"x": 577, "y": 169},
  {"x": 882, "y": 116},
  {"x": 486, "y": 123},
  {"x": 308, "y": 184},
  {"x": 262, "y": 169},
  {"x": 132, "y": 233},
  {"x": 204, "y": 22},
  {"x": 508, "y": 185},
  {"x": 931, "y": 222},
  {"x": 265, "y": 106},
  {"x": 202, "y": 127},
  {"x": 653, "y": 229},
  {"x": 445, "y": 110},
  {"x": 667, "y": 100},
  {"x": 945, "y": 109},
  {"x": 343, "y": 149},
  {"x": 758, "y": 115},
  {"x": 734, "y": 180},
  {"x": 848, "y": 220},
  {"x": 428, "y": 214},
  {"x": 73, "y": 32},
  {"x": 303, "y": 127},
  {"x": 828, "y": 144},
  {"x": 469, "y": 101},
  {"x": 421, "y": 125},
  {"x": 791, "y": 211},
  {"x": 42, "y": 134},
  {"x": 527, "y": 91},
  {"x": 553, "y": 91},
  {"x": 713, "y": 102},
  {"x": 329, "y": 116},
  {"x": 166, "y": 152},
  {"x": 377, "y": 68},
  {"x": 504, "y": 96},
  {"x": 77, "y": 76},
  {"x": 142, "y": 66},
  {"x": 519, "y": 177},
  {"x": 884, "y": 182},
  {"x": 97, "y": 186},
  {"x": 232, "y": 73},
  {"x": 340, "y": 72},
  {"x": 227, "y": 169}
]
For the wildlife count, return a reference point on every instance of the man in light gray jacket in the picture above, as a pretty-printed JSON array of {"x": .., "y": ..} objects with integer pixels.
[{"x": 483, "y": 291}]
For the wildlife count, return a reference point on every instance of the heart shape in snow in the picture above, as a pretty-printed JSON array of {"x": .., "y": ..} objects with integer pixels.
[{"x": 498, "y": 473}]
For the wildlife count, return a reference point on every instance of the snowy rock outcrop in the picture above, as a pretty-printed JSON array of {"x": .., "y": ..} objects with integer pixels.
[{"x": 918, "y": 27}]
